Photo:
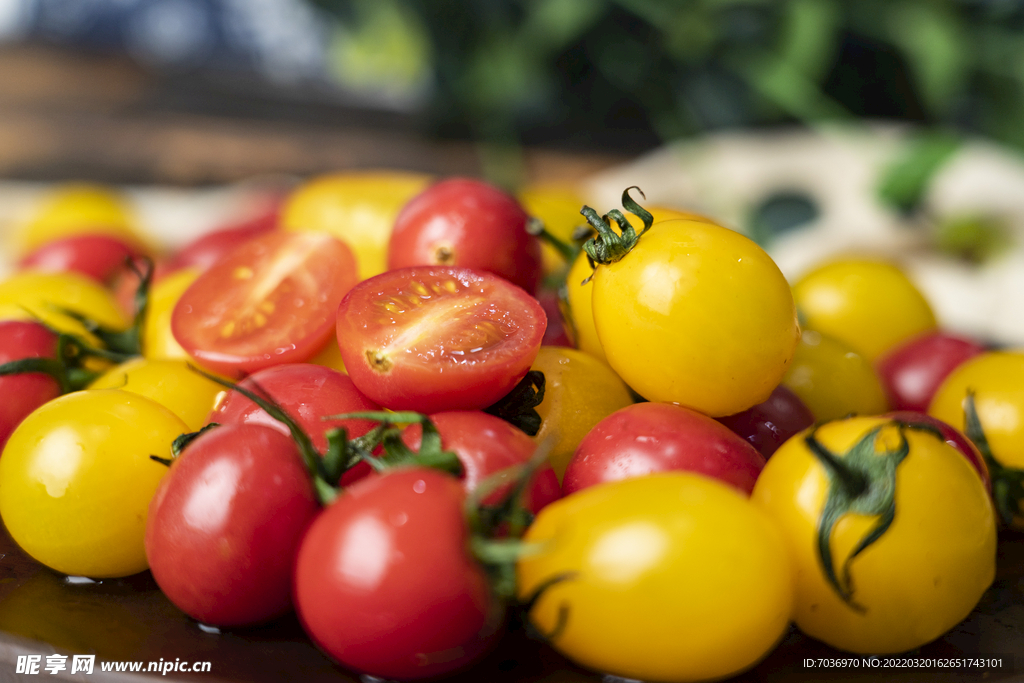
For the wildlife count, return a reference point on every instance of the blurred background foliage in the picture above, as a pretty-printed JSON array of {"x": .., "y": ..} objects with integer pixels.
[{"x": 622, "y": 73}]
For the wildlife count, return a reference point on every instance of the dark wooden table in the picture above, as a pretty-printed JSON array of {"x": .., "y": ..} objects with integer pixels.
[{"x": 130, "y": 620}]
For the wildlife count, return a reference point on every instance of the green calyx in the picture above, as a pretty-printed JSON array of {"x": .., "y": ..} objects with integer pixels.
[
  {"x": 518, "y": 407},
  {"x": 388, "y": 434},
  {"x": 861, "y": 481},
  {"x": 607, "y": 246},
  {"x": 1007, "y": 482},
  {"x": 67, "y": 367}
]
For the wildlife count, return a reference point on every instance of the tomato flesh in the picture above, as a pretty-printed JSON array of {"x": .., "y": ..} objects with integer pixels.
[
  {"x": 433, "y": 339},
  {"x": 272, "y": 300}
]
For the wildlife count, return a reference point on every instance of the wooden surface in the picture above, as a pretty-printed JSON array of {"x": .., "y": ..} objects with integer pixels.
[
  {"x": 130, "y": 620},
  {"x": 70, "y": 116}
]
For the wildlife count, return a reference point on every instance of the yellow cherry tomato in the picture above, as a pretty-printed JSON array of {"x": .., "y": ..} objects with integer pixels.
[
  {"x": 870, "y": 305},
  {"x": 996, "y": 380},
  {"x": 35, "y": 295},
  {"x": 157, "y": 339},
  {"x": 76, "y": 209},
  {"x": 359, "y": 208},
  {"x": 558, "y": 206},
  {"x": 76, "y": 480},
  {"x": 668, "y": 577},
  {"x": 935, "y": 555},
  {"x": 170, "y": 383},
  {"x": 696, "y": 314},
  {"x": 580, "y": 304},
  {"x": 579, "y": 392},
  {"x": 833, "y": 380}
]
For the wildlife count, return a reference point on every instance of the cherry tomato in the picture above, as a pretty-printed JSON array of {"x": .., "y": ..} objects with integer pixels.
[
  {"x": 24, "y": 393},
  {"x": 432, "y": 339},
  {"x": 171, "y": 383},
  {"x": 76, "y": 480},
  {"x": 158, "y": 340},
  {"x": 579, "y": 392},
  {"x": 97, "y": 256},
  {"x": 915, "y": 507},
  {"x": 466, "y": 223},
  {"x": 912, "y": 372},
  {"x": 272, "y": 300},
  {"x": 558, "y": 206},
  {"x": 225, "y": 524},
  {"x": 669, "y": 577},
  {"x": 307, "y": 392},
  {"x": 698, "y": 315},
  {"x": 579, "y": 288},
  {"x": 833, "y": 380},
  {"x": 78, "y": 208},
  {"x": 953, "y": 437},
  {"x": 40, "y": 296},
  {"x": 486, "y": 445},
  {"x": 658, "y": 437},
  {"x": 385, "y": 585},
  {"x": 359, "y": 208},
  {"x": 207, "y": 249},
  {"x": 872, "y": 306},
  {"x": 996, "y": 380},
  {"x": 768, "y": 425},
  {"x": 556, "y": 333}
]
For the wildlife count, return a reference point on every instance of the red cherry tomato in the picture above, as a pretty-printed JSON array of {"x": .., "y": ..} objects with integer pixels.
[
  {"x": 953, "y": 436},
  {"x": 207, "y": 249},
  {"x": 23, "y": 393},
  {"x": 225, "y": 524},
  {"x": 432, "y": 339},
  {"x": 308, "y": 393},
  {"x": 658, "y": 437},
  {"x": 470, "y": 224},
  {"x": 485, "y": 445},
  {"x": 912, "y": 373},
  {"x": 385, "y": 585},
  {"x": 556, "y": 333},
  {"x": 272, "y": 300},
  {"x": 97, "y": 256},
  {"x": 768, "y": 425}
]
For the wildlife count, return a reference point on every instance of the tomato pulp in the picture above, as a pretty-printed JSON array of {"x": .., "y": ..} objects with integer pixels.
[
  {"x": 270, "y": 301},
  {"x": 433, "y": 338}
]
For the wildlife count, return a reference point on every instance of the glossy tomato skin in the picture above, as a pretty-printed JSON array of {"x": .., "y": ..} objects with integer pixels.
[
  {"x": 225, "y": 524},
  {"x": 433, "y": 339},
  {"x": 76, "y": 480},
  {"x": 912, "y": 372},
  {"x": 24, "y": 393},
  {"x": 770, "y": 424},
  {"x": 921, "y": 577},
  {"x": 696, "y": 314},
  {"x": 485, "y": 445},
  {"x": 870, "y": 305},
  {"x": 469, "y": 224},
  {"x": 97, "y": 256},
  {"x": 645, "y": 438},
  {"x": 308, "y": 393},
  {"x": 579, "y": 392},
  {"x": 207, "y": 249},
  {"x": 384, "y": 583},
  {"x": 272, "y": 300},
  {"x": 953, "y": 437},
  {"x": 669, "y": 577}
]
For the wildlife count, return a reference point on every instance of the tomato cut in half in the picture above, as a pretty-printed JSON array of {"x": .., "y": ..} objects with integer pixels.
[
  {"x": 435, "y": 338},
  {"x": 272, "y": 300}
]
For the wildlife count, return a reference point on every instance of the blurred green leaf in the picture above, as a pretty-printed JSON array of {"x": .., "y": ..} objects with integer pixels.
[{"x": 904, "y": 182}]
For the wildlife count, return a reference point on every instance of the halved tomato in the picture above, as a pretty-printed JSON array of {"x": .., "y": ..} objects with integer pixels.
[
  {"x": 435, "y": 338},
  {"x": 272, "y": 300}
]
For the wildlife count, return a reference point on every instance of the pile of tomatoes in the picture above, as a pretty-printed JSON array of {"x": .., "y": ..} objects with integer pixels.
[{"x": 413, "y": 411}]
